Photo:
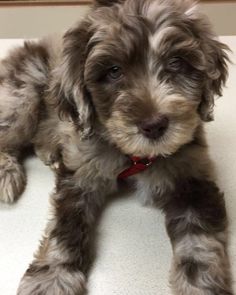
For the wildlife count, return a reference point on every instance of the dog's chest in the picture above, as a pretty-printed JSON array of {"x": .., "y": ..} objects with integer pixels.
[
  {"x": 95, "y": 162},
  {"x": 153, "y": 185}
]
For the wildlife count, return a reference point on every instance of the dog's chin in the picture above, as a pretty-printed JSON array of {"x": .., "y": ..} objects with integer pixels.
[
  {"x": 148, "y": 150},
  {"x": 138, "y": 145}
]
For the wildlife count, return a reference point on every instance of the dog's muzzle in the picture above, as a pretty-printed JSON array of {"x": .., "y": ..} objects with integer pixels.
[{"x": 154, "y": 128}]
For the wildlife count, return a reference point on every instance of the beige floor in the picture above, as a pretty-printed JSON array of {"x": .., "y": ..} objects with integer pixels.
[{"x": 133, "y": 254}]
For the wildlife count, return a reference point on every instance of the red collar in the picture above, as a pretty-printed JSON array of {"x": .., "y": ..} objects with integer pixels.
[{"x": 138, "y": 165}]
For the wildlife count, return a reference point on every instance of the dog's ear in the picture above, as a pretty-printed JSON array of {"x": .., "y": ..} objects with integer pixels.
[
  {"x": 73, "y": 99},
  {"x": 216, "y": 58},
  {"x": 216, "y": 72}
]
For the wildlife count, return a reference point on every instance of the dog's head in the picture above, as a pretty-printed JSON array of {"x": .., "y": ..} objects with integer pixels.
[{"x": 145, "y": 70}]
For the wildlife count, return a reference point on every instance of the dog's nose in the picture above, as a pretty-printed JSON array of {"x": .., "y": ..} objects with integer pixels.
[{"x": 154, "y": 128}]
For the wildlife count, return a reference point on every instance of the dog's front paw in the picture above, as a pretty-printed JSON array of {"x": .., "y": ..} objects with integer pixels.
[
  {"x": 52, "y": 280},
  {"x": 12, "y": 178},
  {"x": 50, "y": 157}
]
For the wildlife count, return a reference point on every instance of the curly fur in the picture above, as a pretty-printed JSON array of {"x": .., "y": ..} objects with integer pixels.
[{"x": 58, "y": 95}]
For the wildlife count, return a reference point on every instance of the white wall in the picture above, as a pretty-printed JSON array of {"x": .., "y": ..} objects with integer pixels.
[
  {"x": 222, "y": 16},
  {"x": 30, "y": 22}
]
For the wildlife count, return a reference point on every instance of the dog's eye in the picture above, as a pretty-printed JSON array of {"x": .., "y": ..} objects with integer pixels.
[
  {"x": 115, "y": 73},
  {"x": 176, "y": 64}
]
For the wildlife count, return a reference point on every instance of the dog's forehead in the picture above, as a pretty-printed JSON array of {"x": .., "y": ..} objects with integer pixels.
[{"x": 154, "y": 19}]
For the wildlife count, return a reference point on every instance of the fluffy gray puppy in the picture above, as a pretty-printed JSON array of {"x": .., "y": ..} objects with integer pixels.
[{"x": 135, "y": 80}]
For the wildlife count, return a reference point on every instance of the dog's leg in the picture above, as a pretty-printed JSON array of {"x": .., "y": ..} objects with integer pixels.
[
  {"x": 12, "y": 178},
  {"x": 18, "y": 121},
  {"x": 16, "y": 125},
  {"x": 23, "y": 78},
  {"x": 65, "y": 252},
  {"x": 197, "y": 225}
]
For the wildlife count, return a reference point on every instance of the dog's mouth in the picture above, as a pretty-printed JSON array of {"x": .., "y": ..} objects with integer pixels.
[{"x": 151, "y": 139}]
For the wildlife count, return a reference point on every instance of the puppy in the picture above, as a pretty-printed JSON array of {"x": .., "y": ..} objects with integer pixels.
[{"x": 122, "y": 96}]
